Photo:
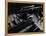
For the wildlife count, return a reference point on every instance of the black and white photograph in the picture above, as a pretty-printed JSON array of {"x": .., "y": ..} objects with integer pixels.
[{"x": 25, "y": 17}]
